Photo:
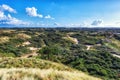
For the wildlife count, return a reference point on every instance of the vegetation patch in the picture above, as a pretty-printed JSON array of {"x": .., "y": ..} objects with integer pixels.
[
  {"x": 4, "y": 39},
  {"x": 23, "y": 36}
]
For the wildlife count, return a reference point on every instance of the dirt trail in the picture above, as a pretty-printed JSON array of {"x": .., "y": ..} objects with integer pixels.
[
  {"x": 116, "y": 55},
  {"x": 88, "y": 47},
  {"x": 29, "y": 55},
  {"x": 75, "y": 40}
]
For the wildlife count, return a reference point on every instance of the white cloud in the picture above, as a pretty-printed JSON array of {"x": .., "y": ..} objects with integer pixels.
[
  {"x": 8, "y": 19},
  {"x": 15, "y": 21},
  {"x": 5, "y": 7},
  {"x": 49, "y": 17},
  {"x": 97, "y": 22},
  {"x": 118, "y": 23},
  {"x": 112, "y": 24},
  {"x": 89, "y": 24},
  {"x": 33, "y": 12},
  {"x": 2, "y": 16}
]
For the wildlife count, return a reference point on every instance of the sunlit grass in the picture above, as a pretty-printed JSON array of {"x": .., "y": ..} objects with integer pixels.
[
  {"x": 4, "y": 39},
  {"x": 42, "y": 74},
  {"x": 114, "y": 44},
  {"x": 37, "y": 69}
]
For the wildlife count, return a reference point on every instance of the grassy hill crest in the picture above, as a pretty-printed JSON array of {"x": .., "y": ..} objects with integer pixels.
[{"x": 37, "y": 69}]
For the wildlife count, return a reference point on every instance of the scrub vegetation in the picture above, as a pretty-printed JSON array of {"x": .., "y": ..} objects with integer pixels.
[{"x": 95, "y": 52}]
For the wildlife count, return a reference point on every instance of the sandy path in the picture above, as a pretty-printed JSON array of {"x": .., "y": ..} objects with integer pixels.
[
  {"x": 116, "y": 55},
  {"x": 29, "y": 55},
  {"x": 88, "y": 47},
  {"x": 75, "y": 40}
]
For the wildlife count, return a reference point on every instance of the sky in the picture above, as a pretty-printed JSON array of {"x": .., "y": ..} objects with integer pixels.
[{"x": 59, "y": 13}]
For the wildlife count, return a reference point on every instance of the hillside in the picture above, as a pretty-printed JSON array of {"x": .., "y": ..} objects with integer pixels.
[
  {"x": 93, "y": 51},
  {"x": 31, "y": 63},
  {"x": 36, "y": 69}
]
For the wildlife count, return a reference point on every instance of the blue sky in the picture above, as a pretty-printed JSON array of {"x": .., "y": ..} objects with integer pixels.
[{"x": 56, "y": 13}]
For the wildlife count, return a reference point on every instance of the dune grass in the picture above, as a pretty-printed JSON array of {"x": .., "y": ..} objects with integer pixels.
[
  {"x": 31, "y": 63},
  {"x": 42, "y": 74},
  {"x": 4, "y": 39},
  {"x": 37, "y": 69}
]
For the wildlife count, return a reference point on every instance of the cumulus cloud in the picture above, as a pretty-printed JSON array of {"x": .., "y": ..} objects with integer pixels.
[
  {"x": 33, "y": 12},
  {"x": 49, "y": 17},
  {"x": 97, "y": 22},
  {"x": 7, "y": 19},
  {"x": 2, "y": 16},
  {"x": 5, "y": 7},
  {"x": 15, "y": 21}
]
